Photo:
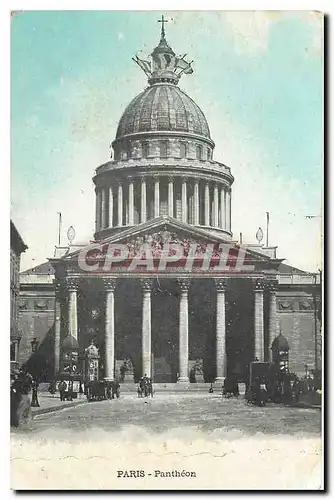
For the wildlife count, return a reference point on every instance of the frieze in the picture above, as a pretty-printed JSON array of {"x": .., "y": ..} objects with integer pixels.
[
  {"x": 306, "y": 305},
  {"x": 285, "y": 305},
  {"x": 41, "y": 305},
  {"x": 23, "y": 305}
]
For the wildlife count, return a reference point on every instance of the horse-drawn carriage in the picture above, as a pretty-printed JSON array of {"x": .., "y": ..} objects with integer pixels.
[
  {"x": 98, "y": 390},
  {"x": 145, "y": 388},
  {"x": 268, "y": 383}
]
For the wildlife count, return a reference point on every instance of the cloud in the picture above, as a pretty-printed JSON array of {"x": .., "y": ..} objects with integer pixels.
[{"x": 120, "y": 36}]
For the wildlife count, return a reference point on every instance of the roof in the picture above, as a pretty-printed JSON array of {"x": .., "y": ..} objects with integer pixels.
[
  {"x": 286, "y": 269},
  {"x": 45, "y": 268},
  {"x": 163, "y": 107},
  {"x": 16, "y": 242}
]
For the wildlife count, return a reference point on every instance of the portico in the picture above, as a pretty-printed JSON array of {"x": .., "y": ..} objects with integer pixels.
[{"x": 133, "y": 296}]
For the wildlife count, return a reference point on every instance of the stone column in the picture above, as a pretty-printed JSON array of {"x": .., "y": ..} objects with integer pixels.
[
  {"x": 273, "y": 319},
  {"x": 156, "y": 197},
  {"x": 98, "y": 210},
  {"x": 109, "y": 286},
  {"x": 103, "y": 208},
  {"x": 143, "y": 200},
  {"x": 111, "y": 207},
  {"x": 120, "y": 204},
  {"x": 196, "y": 203},
  {"x": 131, "y": 203},
  {"x": 222, "y": 208},
  {"x": 228, "y": 210},
  {"x": 258, "y": 320},
  {"x": 146, "y": 326},
  {"x": 72, "y": 287},
  {"x": 221, "y": 285},
  {"x": 215, "y": 206},
  {"x": 184, "y": 200},
  {"x": 58, "y": 291},
  {"x": 170, "y": 197},
  {"x": 206, "y": 205},
  {"x": 183, "y": 331}
]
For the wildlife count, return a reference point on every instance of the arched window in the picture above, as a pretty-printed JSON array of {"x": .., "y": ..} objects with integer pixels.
[
  {"x": 183, "y": 150},
  {"x": 163, "y": 149},
  {"x": 198, "y": 152},
  {"x": 208, "y": 154},
  {"x": 145, "y": 149}
]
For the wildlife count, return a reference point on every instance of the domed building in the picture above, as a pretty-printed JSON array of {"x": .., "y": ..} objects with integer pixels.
[
  {"x": 163, "y": 284},
  {"x": 163, "y": 159}
]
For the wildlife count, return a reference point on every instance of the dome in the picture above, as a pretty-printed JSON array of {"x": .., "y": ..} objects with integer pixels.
[
  {"x": 70, "y": 343},
  {"x": 280, "y": 343},
  {"x": 163, "y": 107}
]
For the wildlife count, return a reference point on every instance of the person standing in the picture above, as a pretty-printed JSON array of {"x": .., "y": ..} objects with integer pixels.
[{"x": 62, "y": 390}]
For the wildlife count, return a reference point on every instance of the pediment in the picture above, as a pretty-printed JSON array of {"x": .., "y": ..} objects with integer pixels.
[{"x": 164, "y": 236}]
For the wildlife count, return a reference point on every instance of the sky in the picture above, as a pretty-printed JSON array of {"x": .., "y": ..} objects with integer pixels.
[{"x": 258, "y": 77}]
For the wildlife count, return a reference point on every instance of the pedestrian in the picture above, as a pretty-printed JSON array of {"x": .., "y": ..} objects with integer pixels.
[{"x": 62, "y": 389}]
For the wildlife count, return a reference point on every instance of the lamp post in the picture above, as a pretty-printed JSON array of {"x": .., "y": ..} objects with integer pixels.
[{"x": 34, "y": 400}]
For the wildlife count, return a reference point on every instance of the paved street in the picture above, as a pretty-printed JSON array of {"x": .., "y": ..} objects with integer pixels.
[
  {"x": 191, "y": 431},
  {"x": 204, "y": 411}
]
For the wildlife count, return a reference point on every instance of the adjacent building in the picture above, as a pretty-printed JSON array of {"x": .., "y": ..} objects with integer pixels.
[{"x": 17, "y": 246}]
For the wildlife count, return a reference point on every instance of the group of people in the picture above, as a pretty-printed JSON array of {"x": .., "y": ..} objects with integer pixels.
[
  {"x": 145, "y": 387},
  {"x": 20, "y": 405}
]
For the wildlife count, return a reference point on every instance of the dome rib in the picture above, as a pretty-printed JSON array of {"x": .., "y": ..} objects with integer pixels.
[{"x": 164, "y": 108}]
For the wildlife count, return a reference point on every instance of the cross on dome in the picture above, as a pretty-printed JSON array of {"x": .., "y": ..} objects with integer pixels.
[
  {"x": 162, "y": 21},
  {"x": 163, "y": 65}
]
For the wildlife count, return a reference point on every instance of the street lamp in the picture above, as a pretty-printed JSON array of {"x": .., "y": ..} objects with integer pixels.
[{"x": 34, "y": 400}]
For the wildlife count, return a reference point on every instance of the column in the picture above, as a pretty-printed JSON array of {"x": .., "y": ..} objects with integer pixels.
[
  {"x": 58, "y": 291},
  {"x": 221, "y": 285},
  {"x": 258, "y": 320},
  {"x": 228, "y": 210},
  {"x": 146, "y": 326},
  {"x": 143, "y": 200},
  {"x": 103, "y": 208},
  {"x": 222, "y": 208},
  {"x": 98, "y": 210},
  {"x": 109, "y": 286},
  {"x": 111, "y": 207},
  {"x": 183, "y": 331},
  {"x": 156, "y": 197},
  {"x": 72, "y": 287},
  {"x": 206, "y": 205},
  {"x": 225, "y": 209},
  {"x": 215, "y": 206},
  {"x": 196, "y": 204},
  {"x": 120, "y": 205},
  {"x": 273, "y": 326},
  {"x": 131, "y": 203},
  {"x": 184, "y": 200},
  {"x": 170, "y": 197}
]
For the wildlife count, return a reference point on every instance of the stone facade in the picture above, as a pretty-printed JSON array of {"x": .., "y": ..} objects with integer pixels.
[
  {"x": 17, "y": 246},
  {"x": 37, "y": 318}
]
